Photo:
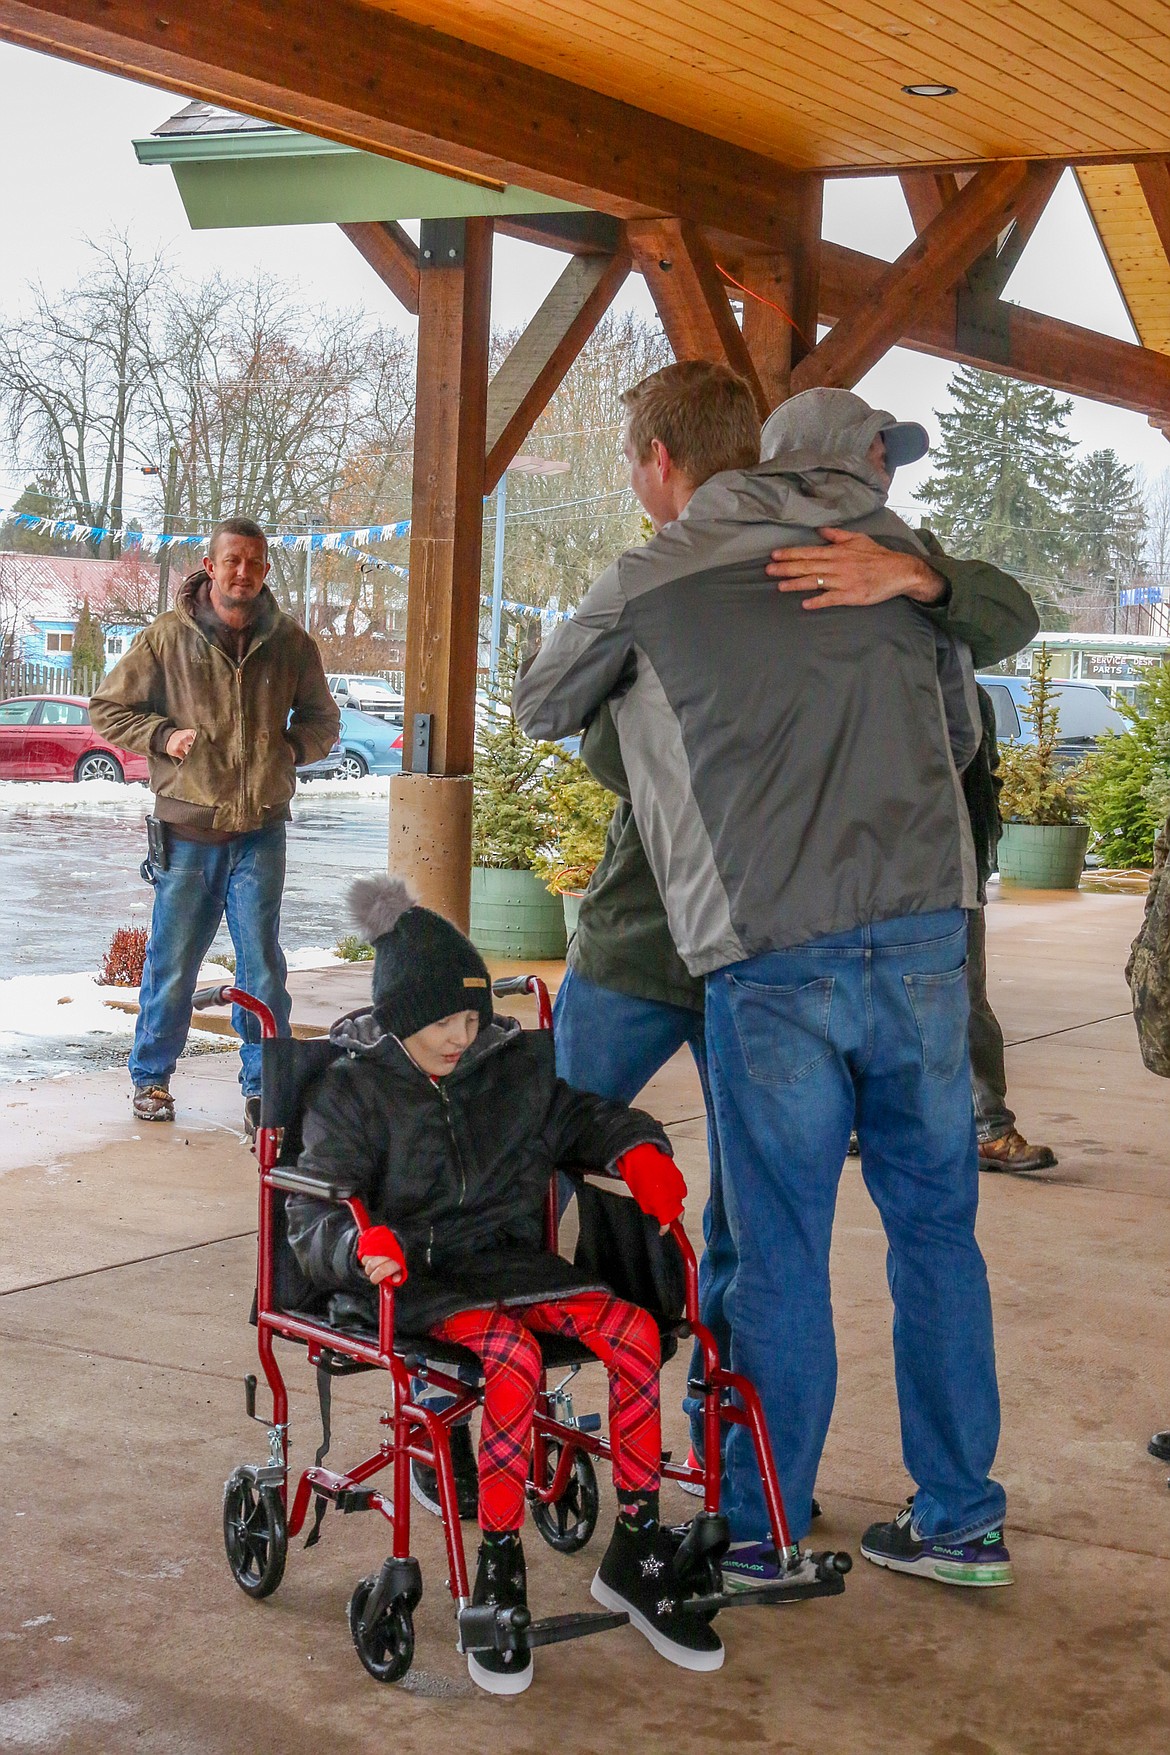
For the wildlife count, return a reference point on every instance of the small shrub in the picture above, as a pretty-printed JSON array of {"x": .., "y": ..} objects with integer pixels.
[
  {"x": 511, "y": 819},
  {"x": 581, "y": 808},
  {"x": 1128, "y": 787},
  {"x": 225, "y": 959},
  {"x": 352, "y": 949},
  {"x": 1036, "y": 787},
  {"x": 123, "y": 963}
]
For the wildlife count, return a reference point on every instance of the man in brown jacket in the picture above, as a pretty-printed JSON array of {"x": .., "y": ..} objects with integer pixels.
[{"x": 224, "y": 695}]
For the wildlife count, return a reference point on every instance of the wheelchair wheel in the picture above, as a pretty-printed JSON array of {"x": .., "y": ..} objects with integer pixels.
[
  {"x": 386, "y": 1648},
  {"x": 255, "y": 1534},
  {"x": 569, "y": 1522}
]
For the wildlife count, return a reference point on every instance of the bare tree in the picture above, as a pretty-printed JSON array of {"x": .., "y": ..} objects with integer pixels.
[{"x": 72, "y": 374}]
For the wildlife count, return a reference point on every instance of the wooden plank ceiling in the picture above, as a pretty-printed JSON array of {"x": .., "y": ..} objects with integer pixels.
[
  {"x": 819, "y": 85},
  {"x": 1129, "y": 234}
]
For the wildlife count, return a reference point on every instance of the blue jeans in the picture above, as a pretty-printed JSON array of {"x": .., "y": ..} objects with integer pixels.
[
  {"x": 244, "y": 879},
  {"x": 868, "y": 1028},
  {"x": 612, "y": 1044}
]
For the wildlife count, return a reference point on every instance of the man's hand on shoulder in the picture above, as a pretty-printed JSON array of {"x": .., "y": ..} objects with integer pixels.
[
  {"x": 179, "y": 744},
  {"x": 854, "y": 571}
]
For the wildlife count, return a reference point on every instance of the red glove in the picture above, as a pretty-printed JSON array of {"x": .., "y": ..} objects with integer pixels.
[
  {"x": 655, "y": 1182},
  {"x": 379, "y": 1241}
]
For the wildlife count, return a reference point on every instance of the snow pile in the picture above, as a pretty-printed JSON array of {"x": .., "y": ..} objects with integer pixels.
[
  {"x": 370, "y": 788},
  {"x": 313, "y": 957},
  {"x": 70, "y": 1006},
  {"x": 99, "y": 796}
]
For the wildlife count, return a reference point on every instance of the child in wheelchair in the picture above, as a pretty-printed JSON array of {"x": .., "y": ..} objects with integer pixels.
[{"x": 450, "y": 1123}]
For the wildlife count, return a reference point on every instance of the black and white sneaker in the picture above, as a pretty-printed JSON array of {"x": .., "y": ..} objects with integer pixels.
[
  {"x": 637, "y": 1575},
  {"x": 501, "y": 1578},
  {"x": 979, "y": 1561},
  {"x": 424, "y": 1481}
]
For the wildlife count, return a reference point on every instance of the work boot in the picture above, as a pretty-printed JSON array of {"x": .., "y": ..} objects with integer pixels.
[
  {"x": 637, "y": 1575},
  {"x": 1159, "y": 1446},
  {"x": 251, "y": 1116},
  {"x": 153, "y": 1103},
  {"x": 501, "y": 1578},
  {"x": 1011, "y": 1151}
]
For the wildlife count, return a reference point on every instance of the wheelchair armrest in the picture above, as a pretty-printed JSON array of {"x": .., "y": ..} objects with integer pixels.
[{"x": 294, "y": 1181}]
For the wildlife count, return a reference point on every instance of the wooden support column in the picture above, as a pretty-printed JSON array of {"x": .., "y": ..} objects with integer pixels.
[
  {"x": 927, "y": 193},
  {"x": 430, "y": 815},
  {"x": 927, "y": 269},
  {"x": 770, "y": 337},
  {"x": 527, "y": 380},
  {"x": 688, "y": 290},
  {"x": 391, "y": 254}
]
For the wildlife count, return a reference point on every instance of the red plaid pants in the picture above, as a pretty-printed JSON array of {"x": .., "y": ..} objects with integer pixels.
[{"x": 623, "y": 1337}]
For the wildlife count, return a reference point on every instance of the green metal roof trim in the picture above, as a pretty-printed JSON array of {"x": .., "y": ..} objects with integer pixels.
[{"x": 276, "y": 176}]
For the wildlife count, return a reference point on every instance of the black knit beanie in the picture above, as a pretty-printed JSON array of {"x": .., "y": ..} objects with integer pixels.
[{"x": 424, "y": 968}]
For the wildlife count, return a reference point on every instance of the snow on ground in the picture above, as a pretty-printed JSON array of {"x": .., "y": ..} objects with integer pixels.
[
  {"x": 47, "y": 1006},
  {"x": 106, "y": 795}
]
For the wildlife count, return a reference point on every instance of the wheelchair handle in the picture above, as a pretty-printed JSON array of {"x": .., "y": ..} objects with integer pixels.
[
  {"x": 207, "y": 996},
  {"x": 508, "y": 985}
]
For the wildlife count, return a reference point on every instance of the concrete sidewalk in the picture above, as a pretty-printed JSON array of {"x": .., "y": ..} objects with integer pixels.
[{"x": 126, "y": 1264}]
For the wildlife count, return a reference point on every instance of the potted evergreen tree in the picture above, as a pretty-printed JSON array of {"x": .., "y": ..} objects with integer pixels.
[
  {"x": 512, "y": 912},
  {"x": 1044, "y": 837},
  {"x": 580, "y": 808}
]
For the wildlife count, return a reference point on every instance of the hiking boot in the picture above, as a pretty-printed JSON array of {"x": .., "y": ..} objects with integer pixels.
[
  {"x": 153, "y": 1103},
  {"x": 1159, "y": 1446},
  {"x": 500, "y": 1578},
  {"x": 251, "y": 1116},
  {"x": 1011, "y": 1151},
  {"x": 979, "y": 1560},
  {"x": 424, "y": 1481},
  {"x": 637, "y": 1575}
]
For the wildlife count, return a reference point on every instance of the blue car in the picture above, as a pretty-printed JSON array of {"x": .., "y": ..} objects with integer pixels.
[{"x": 365, "y": 745}]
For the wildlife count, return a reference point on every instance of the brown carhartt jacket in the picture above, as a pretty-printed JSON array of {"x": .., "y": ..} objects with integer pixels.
[{"x": 256, "y": 719}]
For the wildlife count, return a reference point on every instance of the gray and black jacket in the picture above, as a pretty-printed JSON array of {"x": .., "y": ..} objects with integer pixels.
[{"x": 793, "y": 773}]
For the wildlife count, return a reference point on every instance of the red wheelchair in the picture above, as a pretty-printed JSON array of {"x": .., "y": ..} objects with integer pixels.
[{"x": 617, "y": 1244}]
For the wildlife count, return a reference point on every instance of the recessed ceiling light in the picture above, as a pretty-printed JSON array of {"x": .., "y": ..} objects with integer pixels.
[{"x": 930, "y": 90}]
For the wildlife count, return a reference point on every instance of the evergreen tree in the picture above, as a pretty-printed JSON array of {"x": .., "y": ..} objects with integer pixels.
[
  {"x": 89, "y": 643},
  {"x": 1126, "y": 792},
  {"x": 1107, "y": 516},
  {"x": 511, "y": 819},
  {"x": 38, "y": 500},
  {"x": 1002, "y": 478}
]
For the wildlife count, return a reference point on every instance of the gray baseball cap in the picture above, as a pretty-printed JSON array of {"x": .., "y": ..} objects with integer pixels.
[{"x": 838, "y": 423}]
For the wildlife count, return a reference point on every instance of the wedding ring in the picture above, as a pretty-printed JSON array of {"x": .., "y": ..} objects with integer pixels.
[{"x": 820, "y": 582}]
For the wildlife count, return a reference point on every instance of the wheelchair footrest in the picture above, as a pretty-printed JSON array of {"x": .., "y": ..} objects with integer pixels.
[
  {"x": 557, "y": 1628},
  {"x": 819, "y": 1575},
  {"x": 488, "y": 1628}
]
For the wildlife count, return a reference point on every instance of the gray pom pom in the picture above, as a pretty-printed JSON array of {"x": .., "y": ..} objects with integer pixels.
[{"x": 376, "y": 904}]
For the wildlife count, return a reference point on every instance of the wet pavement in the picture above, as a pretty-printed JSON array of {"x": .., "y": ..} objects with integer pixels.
[{"x": 69, "y": 877}]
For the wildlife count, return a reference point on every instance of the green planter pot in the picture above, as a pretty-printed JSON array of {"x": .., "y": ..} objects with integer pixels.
[
  {"x": 571, "y": 901},
  {"x": 1043, "y": 856},
  {"x": 513, "y": 915}
]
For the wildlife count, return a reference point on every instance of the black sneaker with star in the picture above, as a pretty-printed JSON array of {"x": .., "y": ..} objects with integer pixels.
[
  {"x": 501, "y": 1579},
  {"x": 424, "y": 1481},
  {"x": 637, "y": 1575},
  {"x": 979, "y": 1560}
]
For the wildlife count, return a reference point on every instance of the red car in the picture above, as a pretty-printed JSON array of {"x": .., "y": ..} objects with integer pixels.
[{"x": 49, "y": 737}]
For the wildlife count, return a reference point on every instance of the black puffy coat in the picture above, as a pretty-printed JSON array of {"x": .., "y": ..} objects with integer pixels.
[{"x": 458, "y": 1169}]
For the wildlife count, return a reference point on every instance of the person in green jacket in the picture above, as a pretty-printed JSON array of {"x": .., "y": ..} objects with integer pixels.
[{"x": 627, "y": 1003}]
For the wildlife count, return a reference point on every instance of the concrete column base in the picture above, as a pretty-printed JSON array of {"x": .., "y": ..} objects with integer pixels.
[{"x": 430, "y": 841}]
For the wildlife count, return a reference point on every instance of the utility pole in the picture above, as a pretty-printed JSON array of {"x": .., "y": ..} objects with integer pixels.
[
  {"x": 309, "y": 579},
  {"x": 164, "y": 559}
]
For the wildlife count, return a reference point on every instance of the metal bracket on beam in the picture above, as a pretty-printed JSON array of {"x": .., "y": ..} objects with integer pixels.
[
  {"x": 442, "y": 243},
  {"x": 420, "y": 743},
  {"x": 982, "y": 321}
]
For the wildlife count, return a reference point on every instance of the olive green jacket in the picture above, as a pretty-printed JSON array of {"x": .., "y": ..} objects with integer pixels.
[
  {"x": 622, "y": 940},
  {"x": 241, "y": 770}
]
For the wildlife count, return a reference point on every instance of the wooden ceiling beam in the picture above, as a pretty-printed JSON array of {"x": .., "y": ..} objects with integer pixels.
[
  {"x": 527, "y": 380},
  {"x": 691, "y": 299},
  {"x": 393, "y": 256},
  {"x": 580, "y": 234},
  {"x": 926, "y": 269},
  {"x": 1154, "y": 177},
  {"x": 359, "y": 74},
  {"x": 1041, "y": 350},
  {"x": 927, "y": 193}
]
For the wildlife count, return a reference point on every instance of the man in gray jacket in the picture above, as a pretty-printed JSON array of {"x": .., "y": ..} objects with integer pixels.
[{"x": 795, "y": 777}]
